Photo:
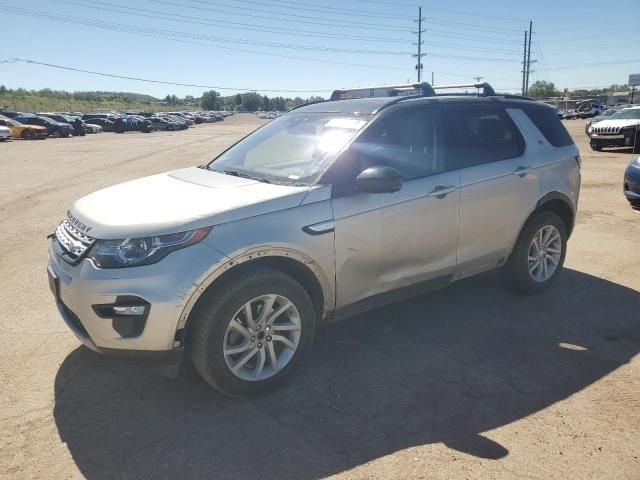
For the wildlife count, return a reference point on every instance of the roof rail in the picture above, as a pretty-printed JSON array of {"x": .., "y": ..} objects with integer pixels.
[
  {"x": 421, "y": 88},
  {"x": 487, "y": 90}
]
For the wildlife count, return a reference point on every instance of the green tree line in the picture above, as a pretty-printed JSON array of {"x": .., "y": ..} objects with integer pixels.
[{"x": 48, "y": 99}]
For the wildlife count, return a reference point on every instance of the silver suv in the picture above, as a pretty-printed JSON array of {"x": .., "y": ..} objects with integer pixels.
[{"x": 327, "y": 211}]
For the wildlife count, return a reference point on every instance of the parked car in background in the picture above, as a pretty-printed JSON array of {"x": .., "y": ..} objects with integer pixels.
[
  {"x": 163, "y": 124},
  {"x": 55, "y": 129},
  {"x": 105, "y": 123},
  {"x": 189, "y": 119},
  {"x": 180, "y": 121},
  {"x": 9, "y": 113},
  {"x": 330, "y": 209},
  {"x": 132, "y": 123},
  {"x": 603, "y": 116},
  {"x": 589, "y": 109},
  {"x": 5, "y": 133},
  {"x": 632, "y": 182},
  {"x": 569, "y": 114},
  {"x": 92, "y": 128},
  {"x": 19, "y": 130},
  {"x": 622, "y": 129},
  {"x": 77, "y": 124}
]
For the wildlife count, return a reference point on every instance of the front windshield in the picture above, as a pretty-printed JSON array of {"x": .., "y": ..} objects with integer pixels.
[
  {"x": 627, "y": 114},
  {"x": 294, "y": 149}
]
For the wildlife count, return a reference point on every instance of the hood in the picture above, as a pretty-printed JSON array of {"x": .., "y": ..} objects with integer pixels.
[
  {"x": 178, "y": 201},
  {"x": 618, "y": 123}
]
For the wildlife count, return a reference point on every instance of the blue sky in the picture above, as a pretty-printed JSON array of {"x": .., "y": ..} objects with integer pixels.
[{"x": 249, "y": 44}]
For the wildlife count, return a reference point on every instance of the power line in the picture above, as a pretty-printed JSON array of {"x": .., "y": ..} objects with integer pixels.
[
  {"x": 457, "y": 12},
  {"x": 333, "y": 22},
  {"x": 211, "y": 38},
  {"x": 174, "y": 35},
  {"x": 498, "y": 31},
  {"x": 147, "y": 80},
  {"x": 220, "y": 24},
  {"x": 324, "y": 9},
  {"x": 169, "y": 37}
]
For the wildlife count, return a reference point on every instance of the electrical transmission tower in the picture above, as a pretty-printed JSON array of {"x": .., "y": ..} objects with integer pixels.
[{"x": 419, "y": 44}]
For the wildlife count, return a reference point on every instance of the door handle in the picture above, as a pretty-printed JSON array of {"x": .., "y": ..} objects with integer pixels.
[
  {"x": 441, "y": 191},
  {"x": 522, "y": 171}
]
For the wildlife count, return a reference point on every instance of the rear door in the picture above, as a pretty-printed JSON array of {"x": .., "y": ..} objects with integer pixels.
[
  {"x": 387, "y": 241},
  {"x": 498, "y": 184}
]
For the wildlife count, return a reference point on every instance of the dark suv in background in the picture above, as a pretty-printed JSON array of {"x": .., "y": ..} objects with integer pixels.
[{"x": 132, "y": 124}]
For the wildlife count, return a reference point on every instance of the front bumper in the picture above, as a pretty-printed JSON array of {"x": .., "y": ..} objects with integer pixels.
[
  {"x": 632, "y": 184},
  {"x": 165, "y": 286},
  {"x": 620, "y": 140}
]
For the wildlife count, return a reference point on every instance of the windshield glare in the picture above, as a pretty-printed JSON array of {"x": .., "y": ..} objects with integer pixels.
[
  {"x": 627, "y": 113},
  {"x": 295, "y": 148}
]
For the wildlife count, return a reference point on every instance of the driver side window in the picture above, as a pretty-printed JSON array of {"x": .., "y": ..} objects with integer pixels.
[{"x": 404, "y": 140}]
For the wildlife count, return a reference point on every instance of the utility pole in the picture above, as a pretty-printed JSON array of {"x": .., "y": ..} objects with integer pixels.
[
  {"x": 526, "y": 89},
  {"x": 477, "y": 79},
  {"x": 432, "y": 80},
  {"x": 419, "y": 44},
  {"x": 524, "y": 64}
]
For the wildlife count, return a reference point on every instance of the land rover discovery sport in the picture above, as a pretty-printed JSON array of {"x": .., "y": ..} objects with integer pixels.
[{"x": 329, "y": 210}]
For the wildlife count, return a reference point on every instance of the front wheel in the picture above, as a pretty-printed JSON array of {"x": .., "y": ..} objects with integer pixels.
[
  {"x": 538, "y": 256},
  {"x": 248, "y": 337}
]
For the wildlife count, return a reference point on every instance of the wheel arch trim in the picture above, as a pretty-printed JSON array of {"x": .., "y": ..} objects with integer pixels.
[
  {"x": 254, "y": 254},
  {"x": 558, "y": 196}
]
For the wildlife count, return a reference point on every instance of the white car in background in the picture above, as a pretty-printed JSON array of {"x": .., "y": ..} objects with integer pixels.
[
  {"x": 92, "y": 128},
  {"x": 5, "y": 134}
]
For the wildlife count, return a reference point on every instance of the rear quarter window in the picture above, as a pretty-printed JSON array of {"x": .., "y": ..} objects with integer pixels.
[{"x": 549, "y": 125}]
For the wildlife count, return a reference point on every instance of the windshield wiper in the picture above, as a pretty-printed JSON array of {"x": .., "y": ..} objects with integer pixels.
[{"x": 236, "y": 173}]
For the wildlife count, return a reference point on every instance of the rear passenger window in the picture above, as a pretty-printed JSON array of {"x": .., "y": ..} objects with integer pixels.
[
  {"x": 404, "y": 140},
  {"x": 547, "y": 121},
  {"x": 477, "y": 135}
]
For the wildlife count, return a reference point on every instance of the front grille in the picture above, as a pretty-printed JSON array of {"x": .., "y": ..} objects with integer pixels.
[
  {"x": 72, "y": 240},
  {"x": 606, "y": 130}
]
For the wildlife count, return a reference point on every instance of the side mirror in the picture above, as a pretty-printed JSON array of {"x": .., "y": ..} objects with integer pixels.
[{"x": 379, "y": 179}]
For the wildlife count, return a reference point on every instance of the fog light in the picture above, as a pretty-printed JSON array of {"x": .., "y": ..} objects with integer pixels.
[{"x": 130, "y": 310}]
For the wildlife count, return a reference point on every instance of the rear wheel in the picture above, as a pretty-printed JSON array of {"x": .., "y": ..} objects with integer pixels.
[
  {"x": 539, "y": 254},
  {"x": 248, "y": 337}
]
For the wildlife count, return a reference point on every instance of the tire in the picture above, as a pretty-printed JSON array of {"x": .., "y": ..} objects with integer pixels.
[
  {"x": 518, "y": 269},
  {"x": 595, "y": 146},
  {"x": 210, "y": 332},
  {"x": 56, "y": 134}
]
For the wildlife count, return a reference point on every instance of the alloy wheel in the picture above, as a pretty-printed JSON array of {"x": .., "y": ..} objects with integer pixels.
[
  {"x": 545, "y": 251},
  {"x": 262, "y": 337}
]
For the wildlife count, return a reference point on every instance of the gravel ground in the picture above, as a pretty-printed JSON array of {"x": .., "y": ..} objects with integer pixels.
[{"x": 469, "y": 382}]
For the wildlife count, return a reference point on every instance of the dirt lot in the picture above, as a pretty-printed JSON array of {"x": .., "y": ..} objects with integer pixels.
[{"x": 469, "y": 382}]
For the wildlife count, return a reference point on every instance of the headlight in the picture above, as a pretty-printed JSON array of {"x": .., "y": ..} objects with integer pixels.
[{"x": 142, "y": 251}]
